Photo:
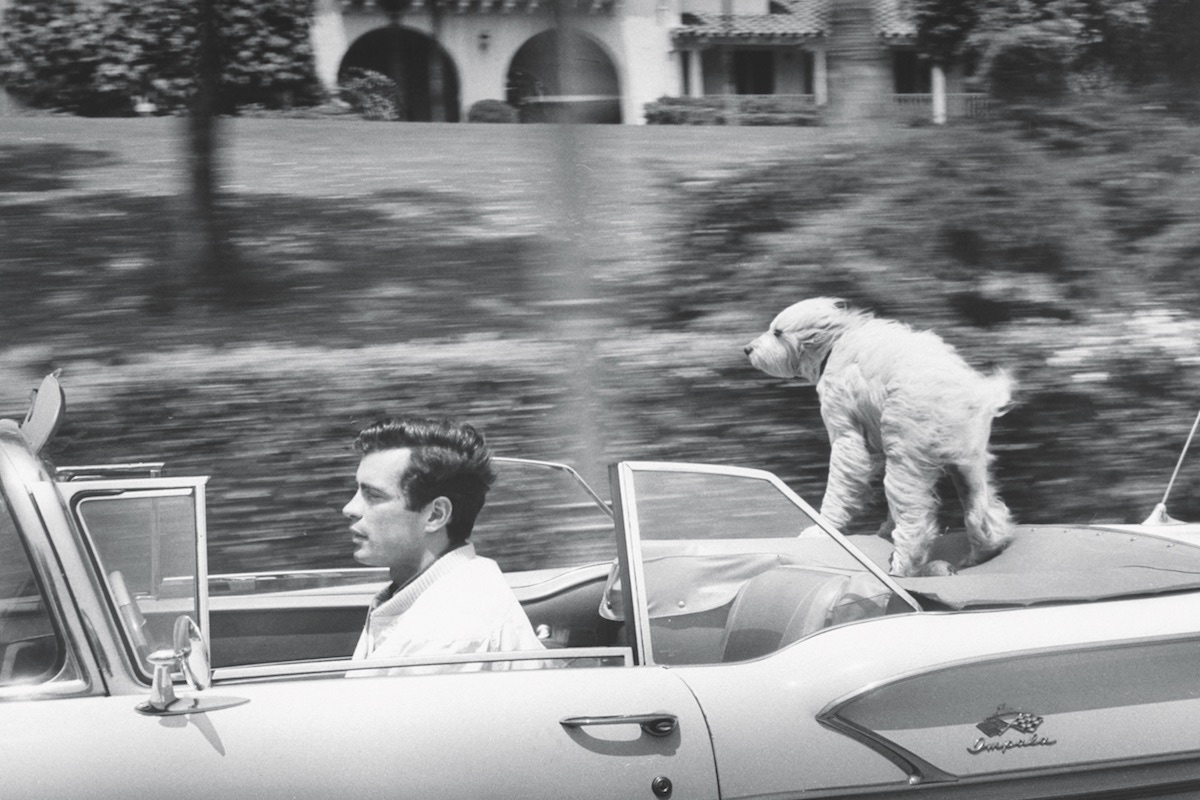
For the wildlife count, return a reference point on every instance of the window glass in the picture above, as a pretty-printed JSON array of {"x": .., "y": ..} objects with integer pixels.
[
  {"x": 701, "y": 505},
  {"x": 735, "y": 569},
  {"x": 551, "y": 537},
  {"x": 539, "y": 517},
  {"x": 145, "y": 543},
  {"x": 31, "y": 651}
]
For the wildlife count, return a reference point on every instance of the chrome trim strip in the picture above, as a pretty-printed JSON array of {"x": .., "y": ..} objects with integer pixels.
[
  {"x": 40, "y": 691},
  {"x": 562, "y": 468},
  {"x": 201, "y": 522},
  {"x": 919, "y": 770},
  {"x": 834, "y": 706},
  {"x": 62, "y": 604},
  {"x": 629, "y": 559},
  {"x": 99, "y": 471},
  {"x": 293, "y": 668}
]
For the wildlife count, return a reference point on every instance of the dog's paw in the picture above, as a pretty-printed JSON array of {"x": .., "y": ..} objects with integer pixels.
[
  {"x": 900, "y": 568},
  {"x": 929, "y": 569}
]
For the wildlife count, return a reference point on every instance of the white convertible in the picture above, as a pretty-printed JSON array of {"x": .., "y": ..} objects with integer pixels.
[{"x": 711, "y": 652}]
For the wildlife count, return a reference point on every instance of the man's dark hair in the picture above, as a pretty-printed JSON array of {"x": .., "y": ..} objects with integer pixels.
[{"x": 449, "y": 459}]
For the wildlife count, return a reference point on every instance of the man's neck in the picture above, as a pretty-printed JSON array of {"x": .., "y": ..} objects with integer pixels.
[{"x": 399, "y": 582}]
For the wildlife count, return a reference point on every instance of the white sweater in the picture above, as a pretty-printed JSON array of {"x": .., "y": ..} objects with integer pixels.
[{"x": 460, "y": 604}]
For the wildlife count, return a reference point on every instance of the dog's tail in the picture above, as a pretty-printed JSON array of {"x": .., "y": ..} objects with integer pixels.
[{"x": 1001, "y": 386}]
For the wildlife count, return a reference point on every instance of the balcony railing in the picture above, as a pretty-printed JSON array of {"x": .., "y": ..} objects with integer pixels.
[
  {"x": 741, "y": 109},
  {"x": 970, "y": 105}
]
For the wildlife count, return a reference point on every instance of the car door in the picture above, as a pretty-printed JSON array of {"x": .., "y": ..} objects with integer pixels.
[
  {"x": 589, "y": 722},
  {"x": 730, "y": 569},
  {"x": 549, "y": 733}
]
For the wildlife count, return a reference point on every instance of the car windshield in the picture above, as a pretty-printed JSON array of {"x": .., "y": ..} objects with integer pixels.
[{"x": 734, "y": 566}]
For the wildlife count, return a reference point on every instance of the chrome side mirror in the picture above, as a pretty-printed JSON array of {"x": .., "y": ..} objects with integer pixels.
[
  {"x": 192, "y": 653},
  {"x": 189, "y": 656}
]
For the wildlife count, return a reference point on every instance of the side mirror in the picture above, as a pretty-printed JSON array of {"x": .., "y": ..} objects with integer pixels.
[
  {"x": 189, "y": 656},
  {"x": 192, "y": 653}
]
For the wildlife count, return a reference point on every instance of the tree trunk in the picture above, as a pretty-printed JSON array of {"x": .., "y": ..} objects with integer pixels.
[{"x": 209, "y": 251}]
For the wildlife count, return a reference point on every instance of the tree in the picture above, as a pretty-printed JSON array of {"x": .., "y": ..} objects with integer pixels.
[
  {"x": 1031, "y": 61},
  {"x": 43, "y": 59},
  {"x": 1109, "y": 35},
  {"x": 943, "y": 27},
  {"x": 98, "y": 58},
  {"x": 1174, "y": 32}
]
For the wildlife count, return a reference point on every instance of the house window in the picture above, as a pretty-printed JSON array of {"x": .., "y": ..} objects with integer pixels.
[
  {"x": 912, "y": 74},
  {"x": 754, "y": 71}
]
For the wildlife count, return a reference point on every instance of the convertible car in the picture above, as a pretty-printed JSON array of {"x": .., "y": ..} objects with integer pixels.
[{"x": 701, "y": 648}]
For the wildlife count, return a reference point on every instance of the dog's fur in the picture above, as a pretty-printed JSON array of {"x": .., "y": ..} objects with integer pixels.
[{"x": 901, "y": 402}]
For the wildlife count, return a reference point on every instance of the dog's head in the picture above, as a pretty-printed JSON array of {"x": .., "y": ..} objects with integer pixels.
[{"x": 800, "y": 338}]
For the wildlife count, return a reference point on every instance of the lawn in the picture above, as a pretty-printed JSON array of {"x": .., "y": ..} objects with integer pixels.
[{"x": 583, "y": 294}]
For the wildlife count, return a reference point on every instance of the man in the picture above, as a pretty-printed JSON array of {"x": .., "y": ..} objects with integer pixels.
[{"x": 421, "y": 484}]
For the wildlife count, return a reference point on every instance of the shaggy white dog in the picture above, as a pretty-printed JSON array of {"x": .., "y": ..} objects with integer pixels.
[{"x": 901, "y": 402}]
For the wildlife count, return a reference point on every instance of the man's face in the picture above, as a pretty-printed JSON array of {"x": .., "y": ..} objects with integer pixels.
[{"x": 386, "y": 533}]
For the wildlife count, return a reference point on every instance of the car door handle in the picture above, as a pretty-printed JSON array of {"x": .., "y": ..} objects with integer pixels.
[{"x": 657, "y": 724}]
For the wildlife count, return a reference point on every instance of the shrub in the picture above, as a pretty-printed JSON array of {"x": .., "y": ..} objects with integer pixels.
[
  {"x": 733, "y": 110},
  {"x": 685, "y": 111},
  {"x": 492, "y": 111},
  {"x": 372, "y": 94}
]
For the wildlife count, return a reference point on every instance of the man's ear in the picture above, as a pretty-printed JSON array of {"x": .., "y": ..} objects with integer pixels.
[{"x": 437, "y": 514}]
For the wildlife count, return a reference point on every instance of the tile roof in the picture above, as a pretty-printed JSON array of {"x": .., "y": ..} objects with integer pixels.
[
  {"x": 799, "y": 19},
  {"x": 751, "y": 26}
]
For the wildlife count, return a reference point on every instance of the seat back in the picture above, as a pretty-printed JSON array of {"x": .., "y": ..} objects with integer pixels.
[{"x": 778, "y": 607}]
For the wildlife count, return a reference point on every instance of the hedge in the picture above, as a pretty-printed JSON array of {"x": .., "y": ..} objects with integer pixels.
[
  {"x": 492, "y": 111},
  {"x": 732, "y": 110}
]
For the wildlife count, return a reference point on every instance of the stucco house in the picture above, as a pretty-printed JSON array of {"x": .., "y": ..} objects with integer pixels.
[{"x": 606, "y": 59}]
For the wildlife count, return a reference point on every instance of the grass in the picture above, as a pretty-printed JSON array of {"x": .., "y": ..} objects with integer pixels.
[{"x": 582, "y": 294}]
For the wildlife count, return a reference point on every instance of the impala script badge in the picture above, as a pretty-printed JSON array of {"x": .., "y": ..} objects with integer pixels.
[{"x": 1009, "y": 729}]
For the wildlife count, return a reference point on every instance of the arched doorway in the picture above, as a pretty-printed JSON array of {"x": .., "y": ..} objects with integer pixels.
[
  {"x": 564, "y": 77},
  {"x": 427, "y": 85}
]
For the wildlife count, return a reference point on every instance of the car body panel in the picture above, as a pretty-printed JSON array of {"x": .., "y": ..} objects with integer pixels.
[
  {"x": 413, "y": 736},
  {"x": 919, "y": 658}
]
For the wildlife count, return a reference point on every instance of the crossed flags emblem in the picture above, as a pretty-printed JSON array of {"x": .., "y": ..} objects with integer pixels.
[{"x": 1003, "y": 720}]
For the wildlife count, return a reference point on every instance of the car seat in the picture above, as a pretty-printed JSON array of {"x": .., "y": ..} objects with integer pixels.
[{"x": 779, "y": 607}]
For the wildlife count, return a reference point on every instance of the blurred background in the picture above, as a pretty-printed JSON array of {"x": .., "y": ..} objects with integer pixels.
[{"x": 236, "y": 291}]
